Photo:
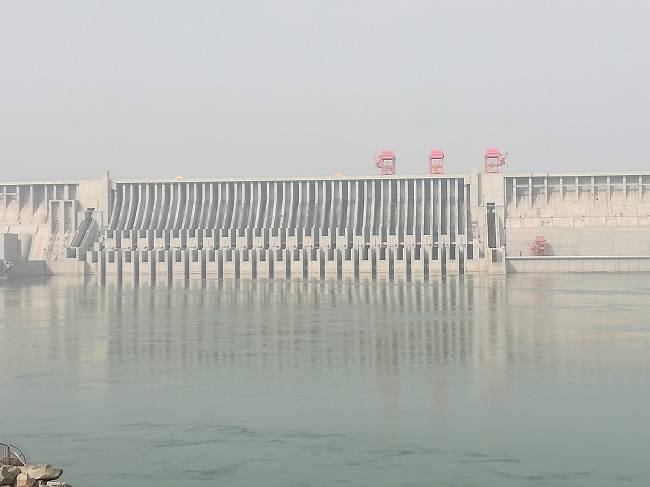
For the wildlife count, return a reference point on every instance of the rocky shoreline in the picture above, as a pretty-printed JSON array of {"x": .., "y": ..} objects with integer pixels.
[{"x": 30, "y": 476}]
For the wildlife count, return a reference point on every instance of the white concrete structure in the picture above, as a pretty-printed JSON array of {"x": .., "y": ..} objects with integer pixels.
[{"x": 379, "y": 226}]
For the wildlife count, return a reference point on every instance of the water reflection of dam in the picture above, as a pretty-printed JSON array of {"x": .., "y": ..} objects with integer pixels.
[
  {"x": 337, "y": 325},
  {"x": 328, "y": 227}
]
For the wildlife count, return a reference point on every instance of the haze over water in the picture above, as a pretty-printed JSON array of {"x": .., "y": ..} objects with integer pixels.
[{"x": 472, "y": 381}]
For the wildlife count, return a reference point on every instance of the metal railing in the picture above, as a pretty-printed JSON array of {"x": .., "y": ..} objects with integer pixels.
[{"x": 11, "y": 455}]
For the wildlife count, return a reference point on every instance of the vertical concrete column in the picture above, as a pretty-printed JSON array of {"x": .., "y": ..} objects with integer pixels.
[
  {"x": 451, "y": 209},
  {"x": 194, "y": 262},
  {"x": 197, "y": 263},
  {"x": 308, "y": 239},
  {"x": 140, "y": 204},
  {"x": 314, "y": 262},
  {"x": 349, "y": 261},
  {"x": 452, "y": 267},
  {"x": 114, "y": 265},
  {"x": 147, "y": 265},
  {"x": 366, "y": 260},
  {"x": 325, "y": 239},
  {"x": 124, "y": 239},
  {"x": 191, "y": 240},
  {"x": 277, "y": 263},
  {"x": 221, "y": 237},
  {"x": 242, "y": 239},
  {"x": 133, "y": 234},
  {"x": 315, "y": 231},
  {"x": 221, "y": 260},
  {"x": 297, "y": 263},
  {"x": 290, "y": 240},
  {"x": 153, "y": 220},
  {"x": 332, "y": 262},
  {"x": 163, "y": 264},
  {"x": 101, "y": 261},
  {"x": 263, "y": 268},
  {"x": 230, "y": 263},
  {"x": 142, "y": 237},
  {"x": 246, "y": 263},
  {"x": 232, "y": 238},
  {"x": 346, "y": 237},
  {"x": 211, "y": 263},
  {"x": 433, "y": 255},
  {"x": 266, "y": 234},
  {"x": 183, "y": 235},
  {"x": 129, "y": 262},
  {"x": 177, "y": 263},
  {"x": 358, "y": 241},
  {"x": 416, "y": 261},
  {"x": 369, "y": 215},
  {"x": 156, "y": 240},
  {"x": 171, "y": 239},
  {"x": 400, "y": 262},
  {"x": 104, "y": 202},
  {"x": 300, "y": 234},
  {"x": 384, "y": 261},
  {"x": 131, "y": 204},
  {"x": 381, "y": 200},
  {"x": 185, "y": 261},
  {"x": 258, "y": 240},
  {"x": 282, "y": 264},
  {"x": 208, "y": 239}
]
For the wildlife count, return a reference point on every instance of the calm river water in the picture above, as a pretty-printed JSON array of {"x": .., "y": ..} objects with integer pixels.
[{"x": 468, "y": 381}]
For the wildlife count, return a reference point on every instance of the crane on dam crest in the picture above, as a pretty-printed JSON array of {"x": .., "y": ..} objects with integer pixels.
[{"x": 385, "y": 162}]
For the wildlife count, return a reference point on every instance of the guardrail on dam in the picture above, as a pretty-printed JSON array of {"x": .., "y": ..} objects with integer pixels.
[{"x": 379, "y": 226}]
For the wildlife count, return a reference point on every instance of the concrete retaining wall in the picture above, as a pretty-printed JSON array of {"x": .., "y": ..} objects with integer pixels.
[{"x": 578, "y": 264}]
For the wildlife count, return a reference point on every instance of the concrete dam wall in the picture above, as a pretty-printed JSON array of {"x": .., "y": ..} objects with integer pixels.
[
  {"x": 591, "y": 222},
  {"x": 382, "y": 226}
]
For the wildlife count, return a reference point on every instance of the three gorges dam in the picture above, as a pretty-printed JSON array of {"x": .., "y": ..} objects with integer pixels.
[{"x": 381, "y": 226}]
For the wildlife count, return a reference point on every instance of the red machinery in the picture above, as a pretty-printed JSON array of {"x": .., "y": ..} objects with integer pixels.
[
  {"x": 386, "y": 163},
  {"x": 436, "y": 161},
  {"x": 494, "y": 160},
  {"x": 538, "y": 249}
]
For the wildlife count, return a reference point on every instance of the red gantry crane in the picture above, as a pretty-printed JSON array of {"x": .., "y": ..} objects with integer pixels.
[
  {"x": 436, "y": 161},
  {"x": 386, "y": 163},
  {"x": 494, "y": 160}
]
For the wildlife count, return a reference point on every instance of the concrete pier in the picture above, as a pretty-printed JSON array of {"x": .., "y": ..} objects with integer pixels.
[{"x": 382, "y": 226}]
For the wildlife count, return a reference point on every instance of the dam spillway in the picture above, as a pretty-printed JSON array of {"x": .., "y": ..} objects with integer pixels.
[{"x": 381, "y": 226}]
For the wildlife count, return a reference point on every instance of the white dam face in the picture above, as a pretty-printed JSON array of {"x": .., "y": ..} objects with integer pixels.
[{"x": 318, "y": 227}]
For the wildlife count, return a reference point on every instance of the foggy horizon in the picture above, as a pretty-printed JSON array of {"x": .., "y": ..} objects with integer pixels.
[{"x": 304, "y": 89}]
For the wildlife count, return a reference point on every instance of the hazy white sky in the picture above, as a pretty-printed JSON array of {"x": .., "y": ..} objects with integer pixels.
[{"x": 307, "y": 88}]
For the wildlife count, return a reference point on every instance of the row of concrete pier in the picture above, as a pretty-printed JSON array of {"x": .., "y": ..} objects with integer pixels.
[{"x": 283, "y": 263}]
